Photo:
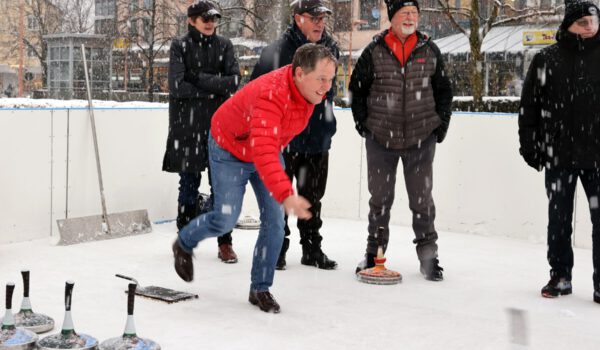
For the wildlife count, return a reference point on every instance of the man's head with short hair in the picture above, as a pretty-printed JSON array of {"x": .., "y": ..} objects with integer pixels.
[{"x": 314, "y": 69}]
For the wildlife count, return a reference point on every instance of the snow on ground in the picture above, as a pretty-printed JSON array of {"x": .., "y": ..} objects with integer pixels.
[{"x": 327, "y": 309}]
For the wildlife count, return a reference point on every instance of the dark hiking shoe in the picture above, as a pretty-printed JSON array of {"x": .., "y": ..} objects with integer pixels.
[
  {"x": 597, "y": 296},
  {"x": 184, "y": 266},
  {"x": 367, "y": 263},
  {"x": 265, "y": 301},
  {"x": 316, "y": 257},
  {"x": 281, "y": 264},
  {"x": 431, "y": 270},
  {"x": 226, "y": 254},
  {"x": 557, "y": 286}
]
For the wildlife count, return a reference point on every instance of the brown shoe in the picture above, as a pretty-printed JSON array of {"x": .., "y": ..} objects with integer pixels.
[
  {"x": 265, "y": 301},
  {"x": 184, "y": 266},
  {"x": 226, "y": 254}
]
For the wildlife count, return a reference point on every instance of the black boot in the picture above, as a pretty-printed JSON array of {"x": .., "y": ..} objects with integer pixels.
[
  {"x": 312, "y": 255},
  {"x": 431, "y": 270},
  {"x": 367, "y": 263},
  {"x": 557, "y": 286},
  {"x": 185, "y": 214},
  {"x": 597, "y": 296},
  {"x": 281, "y": 264}
]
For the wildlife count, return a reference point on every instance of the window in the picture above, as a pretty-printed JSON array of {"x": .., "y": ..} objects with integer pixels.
[
  {"x": 146, "y": 28},
  {"x": 32, "y": 23},
  {"x": 341, "y": 15},
  {"x": 105, "y": 7},
  {"x": 104, "y": 26},
  {"x": 370, "y": 13}
]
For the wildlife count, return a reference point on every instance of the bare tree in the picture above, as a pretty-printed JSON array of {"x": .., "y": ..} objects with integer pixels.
[
  {"x": 42, "y": 17},
  {"x": 78, "y": 15},
  {"x": 481, "y": 17},
  {"x": 149, "y": 26}
]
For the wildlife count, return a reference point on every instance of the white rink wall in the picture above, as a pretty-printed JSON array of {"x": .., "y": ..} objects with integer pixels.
[{"x": 481, "y": 185}]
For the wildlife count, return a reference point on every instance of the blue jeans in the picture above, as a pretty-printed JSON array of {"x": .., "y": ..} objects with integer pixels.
[{"x": 229, "y": 177}]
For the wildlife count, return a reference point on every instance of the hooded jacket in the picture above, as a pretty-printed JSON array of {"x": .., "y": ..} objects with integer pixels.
[
  {"x": 559, "y": 116},
  {"x": 203, "y": 73}
]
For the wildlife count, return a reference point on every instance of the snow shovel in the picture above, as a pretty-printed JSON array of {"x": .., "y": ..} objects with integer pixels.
[
  {"x": 105, "y": 226},
  {"x": 159, "y": 293}
]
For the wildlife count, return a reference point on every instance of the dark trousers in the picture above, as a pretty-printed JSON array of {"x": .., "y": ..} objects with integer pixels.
[
  {"x": 188, "y": 202},
  {"x": 560, "y": 188},
  {"x": 417, "y": 164},
  {"x": 310, "y": 172}
]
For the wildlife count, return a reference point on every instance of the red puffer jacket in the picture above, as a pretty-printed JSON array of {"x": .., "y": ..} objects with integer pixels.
[{"x": 258, "y": 121}]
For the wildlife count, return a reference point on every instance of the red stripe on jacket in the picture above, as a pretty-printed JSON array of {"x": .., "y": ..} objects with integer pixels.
[{"x": 258, "y": 121}]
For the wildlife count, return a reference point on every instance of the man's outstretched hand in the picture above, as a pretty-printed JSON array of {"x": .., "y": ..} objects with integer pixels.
[{"x": 298, "y": 206}]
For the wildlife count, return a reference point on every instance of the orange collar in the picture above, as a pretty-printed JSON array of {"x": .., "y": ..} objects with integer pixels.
[{"x": 401, "y": 50}]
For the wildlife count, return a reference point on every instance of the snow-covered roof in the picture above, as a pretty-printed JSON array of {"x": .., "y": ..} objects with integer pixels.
[{"x": 499, "y": 39}]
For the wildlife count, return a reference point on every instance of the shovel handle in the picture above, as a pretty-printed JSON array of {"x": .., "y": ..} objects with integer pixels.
[
  {"x": 10, "y": 288},
  {"x": 131, "y": 297},
  {"x": 68, "y": 294},
  {"x": 25, "y": 274}
]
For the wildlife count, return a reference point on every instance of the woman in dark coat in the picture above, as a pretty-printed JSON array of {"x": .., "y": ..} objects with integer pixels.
[{"x": 203, "y": 73}]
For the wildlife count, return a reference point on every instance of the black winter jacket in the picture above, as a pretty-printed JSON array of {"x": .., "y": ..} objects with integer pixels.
[
  {"x": 559, "y": 117},
  {"x": 203, "y": 73},
  {"x": 400, "y": 106},
  {"x": 316, "y": 138}
]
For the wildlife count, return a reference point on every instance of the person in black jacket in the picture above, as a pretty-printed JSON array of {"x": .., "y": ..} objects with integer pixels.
[
  {"x": 307, "y": 156},
  {"x": 203, "y": 73},
  {"x": 401, "y": 103},
  {"x": 559, "y": 131}
]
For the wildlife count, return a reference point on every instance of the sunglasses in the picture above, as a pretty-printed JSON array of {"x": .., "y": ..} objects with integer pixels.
[{"x": 207, "y": 19}]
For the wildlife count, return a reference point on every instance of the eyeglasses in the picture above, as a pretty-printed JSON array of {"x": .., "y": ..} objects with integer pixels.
[
  {"x": 408, "y": 13},
  {"x": 317, "y": 20}
]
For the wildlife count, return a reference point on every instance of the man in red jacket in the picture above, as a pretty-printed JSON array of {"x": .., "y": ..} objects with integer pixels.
[{"x": 248, "y": 133}]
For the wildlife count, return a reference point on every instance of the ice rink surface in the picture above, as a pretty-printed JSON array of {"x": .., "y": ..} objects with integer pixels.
[{"x": 485, "y": 277}]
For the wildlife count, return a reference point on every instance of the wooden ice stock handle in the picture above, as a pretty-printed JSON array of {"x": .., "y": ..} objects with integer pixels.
[
  {"x": 68, "y": 295},
  {"x": 130, "y": 298},
  {"x": 25, "y": 274},
  {"x": 10, "y": 288}
]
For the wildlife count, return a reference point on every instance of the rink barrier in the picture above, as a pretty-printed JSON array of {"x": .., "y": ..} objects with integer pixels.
[{"x": 481, "y": 185}]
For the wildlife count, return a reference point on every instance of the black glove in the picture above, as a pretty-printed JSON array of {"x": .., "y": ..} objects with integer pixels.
[
  {"x": 533, "y": 160},
  {"x": 442, "y": 130}
]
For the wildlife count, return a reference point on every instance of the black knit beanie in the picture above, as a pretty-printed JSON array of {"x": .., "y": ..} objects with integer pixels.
[
  {"x": 394, "y": 6},
  {"x": 575, "y": 9}
]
